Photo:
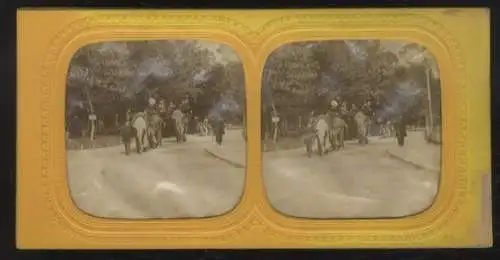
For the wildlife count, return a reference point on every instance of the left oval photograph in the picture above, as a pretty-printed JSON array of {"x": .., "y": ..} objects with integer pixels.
[{"x": 156, "y": 129}]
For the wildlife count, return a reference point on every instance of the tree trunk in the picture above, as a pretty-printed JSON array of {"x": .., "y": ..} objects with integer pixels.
[
  {"x": 275, "y": 133},
  {"x": 91, "y": 122},
  {"x": 429, "y": 98}
]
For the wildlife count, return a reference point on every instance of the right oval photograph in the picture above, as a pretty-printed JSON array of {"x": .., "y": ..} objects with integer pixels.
[{"x": 351, "y": 129}]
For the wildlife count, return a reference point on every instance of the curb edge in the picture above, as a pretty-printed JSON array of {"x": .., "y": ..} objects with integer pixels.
[
  {"x": 416, "y": 165},
  {"x": 232, "y": 163}
]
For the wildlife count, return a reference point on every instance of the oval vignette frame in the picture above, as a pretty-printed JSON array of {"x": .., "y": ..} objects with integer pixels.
[{"x": 453, "y": 220}]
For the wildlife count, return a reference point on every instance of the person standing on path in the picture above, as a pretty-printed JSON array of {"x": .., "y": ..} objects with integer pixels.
[
  {"x": 219, "y": 130},
  {"x": 401, "y": 130}
]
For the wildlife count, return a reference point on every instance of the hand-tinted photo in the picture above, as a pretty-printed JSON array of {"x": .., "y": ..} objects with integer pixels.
[
  {"x": 148, "y": 124},
  {"x": 351, "y": 129}
]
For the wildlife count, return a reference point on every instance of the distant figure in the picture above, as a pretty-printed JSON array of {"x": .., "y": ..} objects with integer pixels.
[
  {"x": 401, "y": 130},
  {"x": 202, "y": 126},
  {"x": 207, "y": 126},
  {"x": 218, "y": 127},
  {"x": 127, "y": 132},
  {"x": 275, "y": 119},
  {"x": 343, "y": 109},
  {"x": 162, "y": 107}
]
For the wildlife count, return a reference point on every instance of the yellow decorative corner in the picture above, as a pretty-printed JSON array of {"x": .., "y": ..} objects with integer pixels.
[{"x": 458, "y": 38}]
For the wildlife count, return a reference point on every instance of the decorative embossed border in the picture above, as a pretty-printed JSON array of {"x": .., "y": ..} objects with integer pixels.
[
  {"x": 411, "y": 28},
  {"x": 453, "y": 220}
]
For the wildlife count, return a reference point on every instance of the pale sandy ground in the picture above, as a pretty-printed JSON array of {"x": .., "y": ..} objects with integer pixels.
[
  {"x": 173, "y": 181},
  {"x": 184, "y": 181},
  {"x": 358, "y": 182}
]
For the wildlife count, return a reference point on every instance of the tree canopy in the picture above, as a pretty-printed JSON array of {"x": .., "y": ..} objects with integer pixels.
[
  {"x": 133, "y": 70},
  {"x": 354, "y": 71}
]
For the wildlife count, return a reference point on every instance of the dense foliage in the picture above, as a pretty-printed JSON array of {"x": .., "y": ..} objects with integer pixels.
[
  {"x": 311, "y": 74},
  {"x": 108, "y": 77}
]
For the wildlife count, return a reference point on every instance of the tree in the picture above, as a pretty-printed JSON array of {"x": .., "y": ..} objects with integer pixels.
[
  {"x": 418, "y": 56},
  {"x": 223, "y": 81},
  {"x": 97, "y": 72},
  {"x": 291, "y": 71},
  {"x": 129, "y": 73},
  {"x": 289, "y": 83},
  {"x": 356, "y": 71}
]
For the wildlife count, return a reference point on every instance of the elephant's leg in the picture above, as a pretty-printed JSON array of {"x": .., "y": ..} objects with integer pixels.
[
  {"x": 180, "y": 133},
  {"x": 333, "y": 139},
  {"x": 365, "y": 136},
  {"x": 338, "y": 142},
  {"x": 143, "y": 139},
  {"x": 183, "y": 135},
  {"x": 337, "y": 139},
  {"x": 147, "y": 139},
  {"x": 159, "y": 137},
  {"x": 361, "y": 135},
  {"x": 152, "y": 140},
  {"x": 325, "y": 142},
  {"x": 138, "y": 143},
  {"x": 341, "y": 137},
  {"x": 176, "y": 130},
  {"x": 320, "y": 138},
  {"x": 309, "y": 143},
  {"x": 127, "y": 147},
  {"x": 328, "y": 141},
  {"x": 319, "y": 146}
]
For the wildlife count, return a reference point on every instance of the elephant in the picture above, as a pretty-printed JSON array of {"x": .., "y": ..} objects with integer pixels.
[
  {"x": 338, "y": 129},
  {"x": 319, "y": 133},
  {"x": 135, "y": 129},
  {"x": 154, "y": 130},
  {"x": 309, "y": 140},
  {"x": 179, "y": 121}
]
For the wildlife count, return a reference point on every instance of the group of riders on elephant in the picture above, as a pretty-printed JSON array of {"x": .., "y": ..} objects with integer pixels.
[
  {"x": 330, "y": 128},
  {"x": 146, "y": 127}
]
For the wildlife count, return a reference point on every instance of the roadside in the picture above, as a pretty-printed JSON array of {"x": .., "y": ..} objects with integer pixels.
[
  {"x": 418, "y": 152},
  {"x": 100, "y": 141},
  {"x": 233, "y": 150},
  {"x": 104, "y": 141},
  {"x": 284, "y": 143},
  {"x": 106, "y": 183}
]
